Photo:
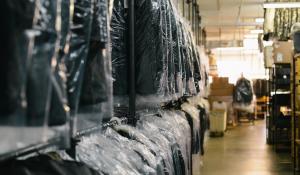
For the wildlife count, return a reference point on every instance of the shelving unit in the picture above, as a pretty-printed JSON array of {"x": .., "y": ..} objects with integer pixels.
[
  {"x": 279, "y": 120},
  {"x": 261, "y": 107},
  {"x": 269, "y": 136},
  {"x": 296, "y": 112}
]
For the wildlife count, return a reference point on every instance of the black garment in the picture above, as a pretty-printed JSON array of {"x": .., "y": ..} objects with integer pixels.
[
  {"x": 260, "y": 87},
  {"x": 119, "y": 54},
  {"x": 151, "y": 47},
  {"x": 16, "y": 17},
  {"x": 58, "y": 115},
  {"x": 144, "y": 139},
  {"x": 162, "y": 127},
  {"x": 148, "y": 156},
  {"x": 40, "y": 77},
  {"x": 99, "y": 25},
  {"x": 96, "y": 87},
  {"x": 44, "y": 165},
  {"x": 95, "y": 83},
  {"x": 29, "y": 52},
  {"x": 79, "y": 45},
  {"x": 203, "y": 127},
  {"x": 243, "y": 93},
  {"x": 197, "y": 70},
  {"x": 195, "y": 145}
]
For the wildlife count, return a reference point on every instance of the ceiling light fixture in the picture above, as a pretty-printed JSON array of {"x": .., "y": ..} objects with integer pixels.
[
  {"x": 256, "y": 31},
  {"x": 274, "y": 5},
  {"x": 259, "y": 20}
]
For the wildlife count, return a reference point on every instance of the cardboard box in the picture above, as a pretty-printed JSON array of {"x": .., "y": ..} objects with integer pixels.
[
  {"x": 282, "y": 52},
  {"x": 221, "y": 86},
  {"x": 220, "y": 80},
  {"x": 224, "y": 90},
  {"x": 268, "y": 56}
]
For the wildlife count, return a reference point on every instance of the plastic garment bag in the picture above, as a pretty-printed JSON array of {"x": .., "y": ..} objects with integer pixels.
[
  {"x": 243, "y": 93},
  {"x": 192, "y": 115},
  {"x": 59, "y": 102},
  {"x": 148, "y": 156},
  {"x": 162, "y": 142},
  {"x": 89, "y": 65},
  {"x": 79, "y": 46},
  {"x": 203, "y": 107},
  {"x": 177, "y": 118},
  {"x": 141, "y": 137},
  {"x": 179, "y": 145},
  {"x": 119, "y": 41},
  {"x": 35, "y": 89},
  {"x": 14, "y": 45},
  {"x": 151, "y": 62},
  {"x": 45, "y": 165},
  {"x": 110, "y": 156},
  {"x": 95, "y": 84},
  {"x": 43, "y": 60}
]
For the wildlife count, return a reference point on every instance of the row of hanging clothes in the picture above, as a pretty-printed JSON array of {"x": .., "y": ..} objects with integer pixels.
[
  {"x": 65, "y": 66},
  {"x": 55, "y": 70},
  {"x": 162, "y": 142},
  {"x": 167, "y": 60}
]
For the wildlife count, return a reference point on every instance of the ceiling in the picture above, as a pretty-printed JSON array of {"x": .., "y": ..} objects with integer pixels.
[{"x": 228, "y": 20}]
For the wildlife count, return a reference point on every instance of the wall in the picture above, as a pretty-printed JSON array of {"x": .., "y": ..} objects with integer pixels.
[{"x": 232, "y": 62}]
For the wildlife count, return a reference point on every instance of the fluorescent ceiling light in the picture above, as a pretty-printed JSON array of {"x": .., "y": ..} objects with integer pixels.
[
  {"x": 259, "y": 20},
  {"x": 274, "y": 5},
  {"x": 256, "y": 31}
]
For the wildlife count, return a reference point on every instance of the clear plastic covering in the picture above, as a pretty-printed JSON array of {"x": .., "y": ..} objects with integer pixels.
[
  {"x": 89, "y": 65},
  {"x": 112, "y": 156},
  {"x": 243, "y": 92},
  {"x": 167, "y": 58},
  {"x": 33, "y": 77},
  {"x": 160, "y": 144},
  {"x": 243, "y": 96},
  {"x": 192, "y": 115},
  {"x": 179, "y": 136}
]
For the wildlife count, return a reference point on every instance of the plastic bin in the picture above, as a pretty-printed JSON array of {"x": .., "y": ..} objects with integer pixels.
[{"x": 217, "y": 122}]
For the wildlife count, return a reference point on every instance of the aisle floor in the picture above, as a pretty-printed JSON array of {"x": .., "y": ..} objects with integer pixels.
[{"x": 242, "y": 151}]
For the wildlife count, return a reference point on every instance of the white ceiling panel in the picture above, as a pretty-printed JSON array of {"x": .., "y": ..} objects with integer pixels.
[{"x": 233, "y": 18}]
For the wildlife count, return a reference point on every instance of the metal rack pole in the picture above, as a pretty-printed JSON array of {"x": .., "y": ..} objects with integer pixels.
[{"x": 132, "y": 91}]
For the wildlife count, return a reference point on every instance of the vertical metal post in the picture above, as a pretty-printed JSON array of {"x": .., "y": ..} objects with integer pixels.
[
  {"x": 294, "y": 123},
  {"x": 132, "y": 92}
]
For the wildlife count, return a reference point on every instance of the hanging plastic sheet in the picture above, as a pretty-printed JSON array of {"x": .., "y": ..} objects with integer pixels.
[
  {"x": 79, "y": 44},
  {"x": 203, "y": 107},
  {"x": 148, "y": 156},
  {"x": 119, "y": 41},
  {"x": 89, "y": 65},
  {"x": 188, "y": 78},
  {"x": 179, "y": 144},
  {"x": 46, "y": 165},
  {"x": 192, "y": 115},
  {"x": 204, "y": 64},
  {"x": 152, "y": 47},
  {"x": 111, "y": 155},
  {"x": 144, "y": 138},
  {"x": 34, "y": 91}
]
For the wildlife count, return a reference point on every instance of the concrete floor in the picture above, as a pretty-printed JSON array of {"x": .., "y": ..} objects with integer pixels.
[{"x": 242, "y": 151}]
